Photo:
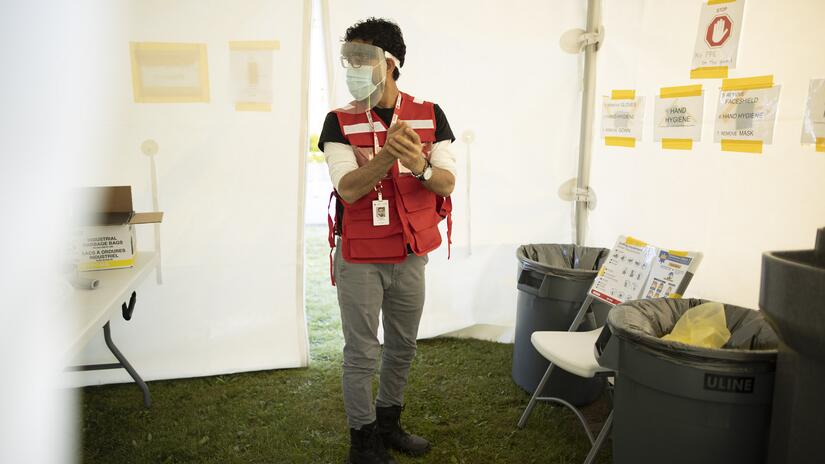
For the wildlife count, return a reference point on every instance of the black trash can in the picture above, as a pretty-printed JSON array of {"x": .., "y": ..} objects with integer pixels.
[
  {"x": 553, "y": 281},
  {"x": 678, "y": 403}
]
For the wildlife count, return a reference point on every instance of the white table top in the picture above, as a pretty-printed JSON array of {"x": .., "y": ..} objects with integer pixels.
[{"x": 93, "y": 308}]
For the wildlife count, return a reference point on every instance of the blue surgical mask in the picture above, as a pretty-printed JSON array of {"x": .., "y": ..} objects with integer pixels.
[{"x": 359, "y": 82}]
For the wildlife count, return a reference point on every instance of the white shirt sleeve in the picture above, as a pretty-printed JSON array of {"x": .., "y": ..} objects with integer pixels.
[
  {"x": 340, "y": 161},
  {"x": 442, "y": 156}
]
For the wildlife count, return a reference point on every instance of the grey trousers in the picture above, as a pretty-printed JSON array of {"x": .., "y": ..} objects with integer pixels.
[{"x": 397, "y": 291}]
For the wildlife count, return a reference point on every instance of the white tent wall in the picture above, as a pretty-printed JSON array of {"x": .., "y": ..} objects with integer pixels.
[
  {"x": 231, "y": 187},
  {"x": 731, "y": 206},
  {"x": 496, "y": 70}
]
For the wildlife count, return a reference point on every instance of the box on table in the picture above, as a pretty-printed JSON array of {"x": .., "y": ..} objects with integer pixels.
[{"x": 104, "y": 237}]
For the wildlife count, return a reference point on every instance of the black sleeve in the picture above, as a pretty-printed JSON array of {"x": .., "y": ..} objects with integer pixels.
[
  {"x": 331, "y": 131},
  {"x": 442, "y": 126}
]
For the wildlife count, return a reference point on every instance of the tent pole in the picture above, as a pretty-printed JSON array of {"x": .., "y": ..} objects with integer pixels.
[
  {"x": 303, "y": 150},
  {"x": 328, "y": 53},
  {"x": 586, "y": 128}
]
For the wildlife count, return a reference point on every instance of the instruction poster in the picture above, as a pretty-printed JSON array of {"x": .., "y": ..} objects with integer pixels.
[
  {"x": 622, "y": 118},
  {"x": 635, "y": 270},
  {"x": 169, "y": 72},
  {"x": 717, "y": 41},
  {"x": 746, "y": 114},
  {"x": 252, "y": 74},
  {"x": 813, "y": 122},
  {"x": 678, "y": 114}
]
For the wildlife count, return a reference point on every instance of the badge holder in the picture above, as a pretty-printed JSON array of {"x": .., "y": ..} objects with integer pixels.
[{"x": 380, "y": 211}]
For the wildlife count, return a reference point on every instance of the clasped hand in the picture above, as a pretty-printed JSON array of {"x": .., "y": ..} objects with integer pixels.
[{"x": 405, "y": 145}]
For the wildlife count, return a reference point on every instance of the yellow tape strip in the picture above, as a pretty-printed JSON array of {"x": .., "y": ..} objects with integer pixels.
[
  {"x": 742, "y": 146},
  {"x": 719, "y": 2},
  {"x": 255, "y": 45},
  {"x": 748, "y": 83},
  {"x": 629, "y": 142},
  {"x": 674, "y": 296},
  {"x": 635, "y": 242},
  {"x": 820, "y": 144},
  {"x": 623, "y": 95},
  {"x": 253, "y": 107},
  {"x": 677, "y": 144},
  {"x": 710, "y": 72},
  {"x": 93, "y": 266},
  {"x": 683, "y": 91}
]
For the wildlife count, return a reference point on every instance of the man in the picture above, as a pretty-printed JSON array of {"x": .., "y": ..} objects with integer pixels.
[{"x": 392, "y": 169}]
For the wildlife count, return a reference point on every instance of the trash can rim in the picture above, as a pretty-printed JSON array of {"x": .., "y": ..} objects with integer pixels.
[
  {"x": 546, "y": 268},
  {"x": 675, "y": 349}
]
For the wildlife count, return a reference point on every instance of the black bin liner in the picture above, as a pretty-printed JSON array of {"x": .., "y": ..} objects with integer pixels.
[
  {"x": 553, "y": 280},
  {"x": 680, "y": 403}
]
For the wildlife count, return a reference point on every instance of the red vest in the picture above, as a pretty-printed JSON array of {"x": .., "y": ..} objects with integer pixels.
[{"x": 414, "y": 211}]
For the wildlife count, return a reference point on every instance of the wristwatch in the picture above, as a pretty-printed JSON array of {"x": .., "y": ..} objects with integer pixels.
[{"x": 427, "y": 173}]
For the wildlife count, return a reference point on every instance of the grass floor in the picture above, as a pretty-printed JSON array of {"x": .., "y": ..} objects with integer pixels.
[{"x": 460, "y": 396}]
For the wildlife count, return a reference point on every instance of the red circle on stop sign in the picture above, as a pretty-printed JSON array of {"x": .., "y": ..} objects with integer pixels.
[{"x": 719, "y": 31}]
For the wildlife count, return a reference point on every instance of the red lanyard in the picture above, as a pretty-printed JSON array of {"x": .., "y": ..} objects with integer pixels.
[
  {"x": 375, "y": 146},
  {"x": 395, "y": 114}
]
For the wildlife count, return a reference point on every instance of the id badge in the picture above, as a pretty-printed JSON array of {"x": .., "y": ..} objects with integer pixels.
[{"x": 380, "y": 213}]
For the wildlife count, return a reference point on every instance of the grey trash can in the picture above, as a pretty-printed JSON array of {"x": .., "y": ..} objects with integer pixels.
[
  {"x": 793, "y": 298},
  {"x": 553, "y": 281},
  {"x": 678, "y": 403}
]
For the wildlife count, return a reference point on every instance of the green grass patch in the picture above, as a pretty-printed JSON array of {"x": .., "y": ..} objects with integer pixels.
[{"x": 460, "y": 396}]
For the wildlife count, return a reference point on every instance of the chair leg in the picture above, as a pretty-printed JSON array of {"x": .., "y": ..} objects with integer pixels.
[
  {"x": 594, "y": 450},
  {"x": 526, "y": 414},
  {"x": 578, "y": 414}
]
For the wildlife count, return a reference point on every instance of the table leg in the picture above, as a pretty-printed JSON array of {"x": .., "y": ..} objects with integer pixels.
[{"x": 107, "y": 335}]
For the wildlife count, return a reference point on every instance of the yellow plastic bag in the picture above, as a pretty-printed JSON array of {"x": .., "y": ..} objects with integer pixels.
[{"x": 702, "y": 325}]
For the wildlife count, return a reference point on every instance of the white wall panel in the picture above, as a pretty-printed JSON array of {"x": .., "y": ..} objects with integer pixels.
[
  {"x": 731, "y": 206},
  {"x": 230, "y": 186},
  {"x": 496, "y": 69}
]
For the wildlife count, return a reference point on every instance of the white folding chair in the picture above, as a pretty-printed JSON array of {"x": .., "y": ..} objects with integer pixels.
[{"x": 575, "y": 353}]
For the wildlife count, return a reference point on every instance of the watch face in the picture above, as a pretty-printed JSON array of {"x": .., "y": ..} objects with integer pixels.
[{"x": 428, "y": 173}]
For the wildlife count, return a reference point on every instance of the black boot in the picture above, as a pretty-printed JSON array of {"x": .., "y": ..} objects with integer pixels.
[
  {"x": 389, "y": 426},
  {"x": 366, "y": 446}
]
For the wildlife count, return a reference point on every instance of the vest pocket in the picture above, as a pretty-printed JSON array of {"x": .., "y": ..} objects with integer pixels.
[
  {"x": 418, "y": 199},
  {"x": 390, "y": 248},
  {"x": 365, "y": 230},
  {"x": 425, "y": 224}
]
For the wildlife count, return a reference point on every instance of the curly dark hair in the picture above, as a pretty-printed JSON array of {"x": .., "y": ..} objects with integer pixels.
[{"x": 382, "y": 33}]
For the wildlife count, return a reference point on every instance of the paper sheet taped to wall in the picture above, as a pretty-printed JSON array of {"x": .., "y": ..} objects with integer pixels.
[
  {"x": 746, "y": 113},
  {"x": 252, "y": 74},
  {"x": 622, "y": 118},
  {"x": 169, "y": 72},
  {"x": 717, "y": 40},
  {"x": 677, "y": 117},
  {"x": 813, "y": 122}
]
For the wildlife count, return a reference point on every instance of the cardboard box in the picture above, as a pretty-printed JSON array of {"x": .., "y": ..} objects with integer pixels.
[{"x": 104, "y": 235}]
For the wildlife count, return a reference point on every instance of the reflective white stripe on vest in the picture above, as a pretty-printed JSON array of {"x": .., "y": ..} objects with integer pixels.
[
  {"x": 420, "y": 123},
  {"x": 362, "y": 128}
]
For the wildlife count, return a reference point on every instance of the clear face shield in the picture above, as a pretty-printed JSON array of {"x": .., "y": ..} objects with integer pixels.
[{"x": 366, "y": 73}]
